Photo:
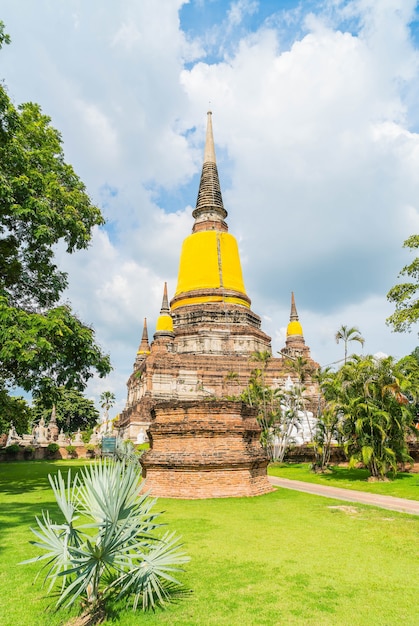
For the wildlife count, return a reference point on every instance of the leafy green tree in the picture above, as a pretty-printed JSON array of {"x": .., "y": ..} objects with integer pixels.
[
  {"x": 43, "y": 345},
  {"x": 377, "y": 401},
  {"x": 328, "y": 417},
  {"x": 346, "y": 335},
  {"x": 265, "y": 399},
  {"x": 303, "y": 370},
  {"x": 72, "y": 410},
  {"x": 287, "y": 420},
  {"x": 107, "y": 400},
  {"x": 16, "y": 410},
  {"x": 119, "y": 554},
  {"x": 405, "y": 294}
]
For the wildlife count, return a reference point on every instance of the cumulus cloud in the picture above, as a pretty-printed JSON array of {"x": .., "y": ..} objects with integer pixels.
[{"x": 316, "y": 129}]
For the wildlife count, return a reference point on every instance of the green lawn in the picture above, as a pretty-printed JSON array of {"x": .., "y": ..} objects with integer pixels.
[
  {"x": 283, "y": 558},
  {"x": 405, "y": 485}
]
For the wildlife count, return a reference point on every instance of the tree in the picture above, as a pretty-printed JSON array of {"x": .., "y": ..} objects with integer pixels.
[
  {"x": 16, "y": 410},
  {"x": 119, "y": 554},
  {"x": 377, "y": 400},
  {"x": 72, "y": 410},
  {"x": 264, "y": 398},
  {"x": 107, "y": 400},
  {"x": 328, "y": 417},
  {"x": 43, "y": 345},
  {"x": 404, "y": 295},
  {"x": 287, "y": 421},
  {"x": 346, "y": 335}
]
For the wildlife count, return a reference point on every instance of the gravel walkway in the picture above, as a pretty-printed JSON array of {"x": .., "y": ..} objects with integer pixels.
[{"x": 386, "y": 502}]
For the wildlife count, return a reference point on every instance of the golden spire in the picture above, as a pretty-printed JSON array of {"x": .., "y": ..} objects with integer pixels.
[
  {"x": 294, "y": 327},
  {"x": 144, "y": 347},
  {"x": 210, "y": 269},
  {"x": 164, "y": 325}
]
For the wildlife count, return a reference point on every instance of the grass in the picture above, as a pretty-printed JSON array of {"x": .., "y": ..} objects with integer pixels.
[
  {"x": 404, "y": 485},
  {"x": 283, "y": 558}
]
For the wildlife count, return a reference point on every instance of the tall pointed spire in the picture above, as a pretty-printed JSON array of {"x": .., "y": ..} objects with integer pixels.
[
  {"x": 209, "y": 212},
  {"x": 294, "y": 344},
  {"x": 144, "y": 347},
  {"x": 294, "y": 327},
  {"x": 164, "y": 326},
  {"x": 209, "y": 151},
  {"x": 209, "y": 269},
  {"x": 294, "y": 314},
  {"x": 165, "y": 310}
]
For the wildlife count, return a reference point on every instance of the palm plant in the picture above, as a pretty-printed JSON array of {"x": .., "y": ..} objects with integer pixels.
[
  {"x": 304, "y": 371},
  {"x": 107, "y": 400},
  {"x": 264, "y": 398},
  {"x": 377, "y": 412},
  {"x": 117, "y": 553},
  {"x": 346, "y": 335},
  {"x": 328, "y": 415}
]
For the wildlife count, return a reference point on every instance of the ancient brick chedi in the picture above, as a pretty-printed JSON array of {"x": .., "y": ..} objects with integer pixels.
[{"x": 200, "y": 355}]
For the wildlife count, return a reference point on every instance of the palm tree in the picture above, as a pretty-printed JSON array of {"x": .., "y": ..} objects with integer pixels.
[
  {"x": 121, "y": 551},
  {"x": 107, "y": 399},
  {"x": 258, "y": 394},
  {"x": 346, "y": 334}
]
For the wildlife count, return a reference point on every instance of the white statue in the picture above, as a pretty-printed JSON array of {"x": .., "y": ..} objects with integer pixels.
[
  {"x": 12, "y": 437},
  {"x": 78, "y": 440},
  {"x": 62, "y": 439},
  {"x": 40, "y": 433}
]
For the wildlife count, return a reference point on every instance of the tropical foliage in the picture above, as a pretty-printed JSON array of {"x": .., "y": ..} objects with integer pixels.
[
  {"x": 347, "y": 334},
  {"x": 372, "y": 401},
  {"x": 110, "y": 545},
  {"x": 265, "y": 399},
  {"x": 326, "y": 432},
  {"x": 405, "y": 294},
  {"x": 281, "y": 412}
]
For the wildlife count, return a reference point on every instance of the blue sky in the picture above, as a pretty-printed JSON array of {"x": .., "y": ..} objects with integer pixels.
[{"x": 316, "y": 121}]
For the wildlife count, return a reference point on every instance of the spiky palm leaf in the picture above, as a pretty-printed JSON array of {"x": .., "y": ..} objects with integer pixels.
[{"x": 117, "y": 544}]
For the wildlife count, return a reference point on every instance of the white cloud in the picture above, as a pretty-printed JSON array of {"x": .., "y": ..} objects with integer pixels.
[{"x": 314, "y": 121}]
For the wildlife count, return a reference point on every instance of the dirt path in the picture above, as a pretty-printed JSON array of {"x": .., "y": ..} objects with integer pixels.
[{"x": 386, "y": 502}]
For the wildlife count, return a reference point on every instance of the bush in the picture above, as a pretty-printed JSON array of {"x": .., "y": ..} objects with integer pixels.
[
  {"x": 91, "y": 449},
  {"x": 72, "y": 451},
  {"x": 117, "y": 554},
  {"x": 28, "y": 452},
  {"x": 52, "y": 449},
  {"x": 12, "y": 450}
]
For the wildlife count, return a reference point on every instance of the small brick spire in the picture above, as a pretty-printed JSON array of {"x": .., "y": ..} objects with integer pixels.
[
  {"x": 144, "y": 347},
  {"x": 165, "y": 310},
  {"x": 294, "y": 314}
]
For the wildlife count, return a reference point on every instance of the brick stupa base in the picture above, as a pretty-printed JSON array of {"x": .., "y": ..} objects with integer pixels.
[{"x": 204, "y": 450}]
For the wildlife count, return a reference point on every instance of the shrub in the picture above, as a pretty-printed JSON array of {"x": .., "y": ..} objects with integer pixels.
[
  {"x": 28, "y": 452},
  {"x": 12, "y": 450},
  {"x": 71, "y": 450},
  {"x": 52, "y": 449},
  {"x": 91, "y": 449},
  {"x": 117, "y": 554}
]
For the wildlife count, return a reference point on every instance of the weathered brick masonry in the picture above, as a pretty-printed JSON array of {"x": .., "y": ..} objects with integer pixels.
[{"x": 207, "y": 449}]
